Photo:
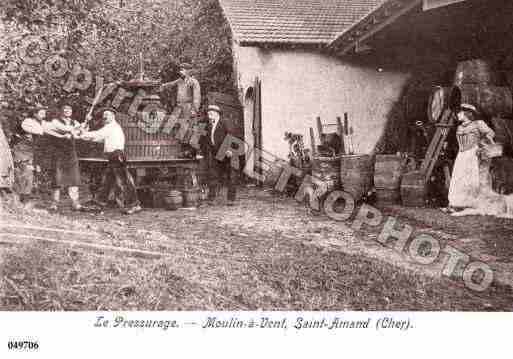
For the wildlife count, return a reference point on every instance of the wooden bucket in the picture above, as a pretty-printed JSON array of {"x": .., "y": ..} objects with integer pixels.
[
  {"x": 356, "y": 174},
  {"x": 191, "y": 197},
  {"x": 326, "y": 168},
  {"x": 388, "y": 171},
  {"x": 489, "y": 100},
  {"x": 158, "y": 197},
  {"x": 173, "y": 200},
  {"x": 476, "y": 71},
  {"x": 414, "y": 189}
]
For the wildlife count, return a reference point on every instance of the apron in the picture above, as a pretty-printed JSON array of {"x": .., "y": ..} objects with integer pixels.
[{"x": 65, "y": 162}]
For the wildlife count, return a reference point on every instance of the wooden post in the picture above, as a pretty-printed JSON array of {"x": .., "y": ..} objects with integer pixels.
[
  {"x": 340, "y": 131},
  {"x": 319, "y": 127},
  {"x": 312, "y": 142}
]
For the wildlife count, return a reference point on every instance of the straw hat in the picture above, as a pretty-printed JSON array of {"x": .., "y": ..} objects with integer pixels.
[{"x": 468, "y": 107}]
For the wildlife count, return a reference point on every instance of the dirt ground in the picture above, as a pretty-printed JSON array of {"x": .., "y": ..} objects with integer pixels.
[{"x": 268, "y": 252}]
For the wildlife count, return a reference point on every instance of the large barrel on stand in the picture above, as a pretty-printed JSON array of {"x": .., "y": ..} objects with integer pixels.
[
  {"x": 489, "y": 100},
  {"x": 477, "y": 71},
  {"x": 327, "y": 169},
  {"x": 388, "y": 172},
  {"x": 356, "y": 174}
]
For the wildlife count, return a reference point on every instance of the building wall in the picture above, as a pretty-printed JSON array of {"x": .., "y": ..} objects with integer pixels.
[{"x": 299, "y": 85}]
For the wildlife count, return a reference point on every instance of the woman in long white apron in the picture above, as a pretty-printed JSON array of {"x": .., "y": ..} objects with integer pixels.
[{"x": 471, "y": 175}]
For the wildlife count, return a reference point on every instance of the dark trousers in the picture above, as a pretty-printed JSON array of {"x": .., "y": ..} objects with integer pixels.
[
  {"x": 220, "y": 174},
  {"x": 118, "y": 178}
]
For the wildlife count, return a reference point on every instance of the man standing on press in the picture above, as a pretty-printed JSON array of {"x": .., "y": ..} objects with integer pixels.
[
  {"x": 188, "y": 100},
  {"x": 117, "y": 177}
]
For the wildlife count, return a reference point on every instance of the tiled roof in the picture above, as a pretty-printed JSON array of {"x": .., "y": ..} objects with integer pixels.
[{"x": 294, "y": 21}]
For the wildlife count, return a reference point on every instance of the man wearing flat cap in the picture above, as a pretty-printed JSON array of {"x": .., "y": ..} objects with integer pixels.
[
  {"x": 220, "y": 172},
  {"x": 188, "y": 97}
]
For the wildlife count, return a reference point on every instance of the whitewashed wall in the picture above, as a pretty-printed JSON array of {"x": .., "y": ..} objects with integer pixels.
[{"x": 299, "y": 85}]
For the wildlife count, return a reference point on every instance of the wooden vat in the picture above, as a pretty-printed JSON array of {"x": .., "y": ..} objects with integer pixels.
[
  {"x": 489, "y": 100},
  {"x": 475, "y": 71}
]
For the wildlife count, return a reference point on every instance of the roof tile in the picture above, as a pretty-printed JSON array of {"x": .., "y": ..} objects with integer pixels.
[{"x": 294, "y": 21}]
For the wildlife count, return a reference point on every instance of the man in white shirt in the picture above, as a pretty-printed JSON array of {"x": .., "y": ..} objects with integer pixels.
[{"x": 117, "y": 176}]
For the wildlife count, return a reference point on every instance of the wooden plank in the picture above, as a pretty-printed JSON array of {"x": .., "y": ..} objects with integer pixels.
[
  {"x": 433, "y": 4},
  {"x": 340, "y": 131},
  {"x": 312, "y": 142},
  {"x": 319, "y": 126}
]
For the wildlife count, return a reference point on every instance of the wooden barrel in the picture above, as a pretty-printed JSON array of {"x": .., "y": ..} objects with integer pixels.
[
  {"x": 326, "y": 168},
  {"x": 173, "y": 200},
  {"x": 414, "y": 189},
  {"x": 388, "y": 171},
  {"x": 191, "y": 197},
  {"x": 489, "y": 100},
  {"x": 476, "y": 71},
  {"x": 356, "y": 173}
]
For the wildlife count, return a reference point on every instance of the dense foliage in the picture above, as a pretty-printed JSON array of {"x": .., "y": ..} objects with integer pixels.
[{"x": 107, "y": 38}]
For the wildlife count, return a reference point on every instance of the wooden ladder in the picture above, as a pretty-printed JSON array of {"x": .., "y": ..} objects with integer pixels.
[{"x": 435, "y": 147}]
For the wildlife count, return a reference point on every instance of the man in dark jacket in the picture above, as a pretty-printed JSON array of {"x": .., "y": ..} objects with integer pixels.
[
  {"x": 220, "y": 171},
  {"x": 23, "y": 156}
]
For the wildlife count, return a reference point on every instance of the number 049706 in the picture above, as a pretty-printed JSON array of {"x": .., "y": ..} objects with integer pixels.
[{"x": 22, "y": 345}]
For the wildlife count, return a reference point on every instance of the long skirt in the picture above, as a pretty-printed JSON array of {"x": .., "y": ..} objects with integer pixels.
[{"x": 465, "y": 181}]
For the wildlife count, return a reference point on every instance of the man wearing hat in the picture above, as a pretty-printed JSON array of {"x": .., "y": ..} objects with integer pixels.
[
  {"x": 220, "y": 172},
  {"x": 117, "y": 177},
  {"x": 188, "y": 97}
]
